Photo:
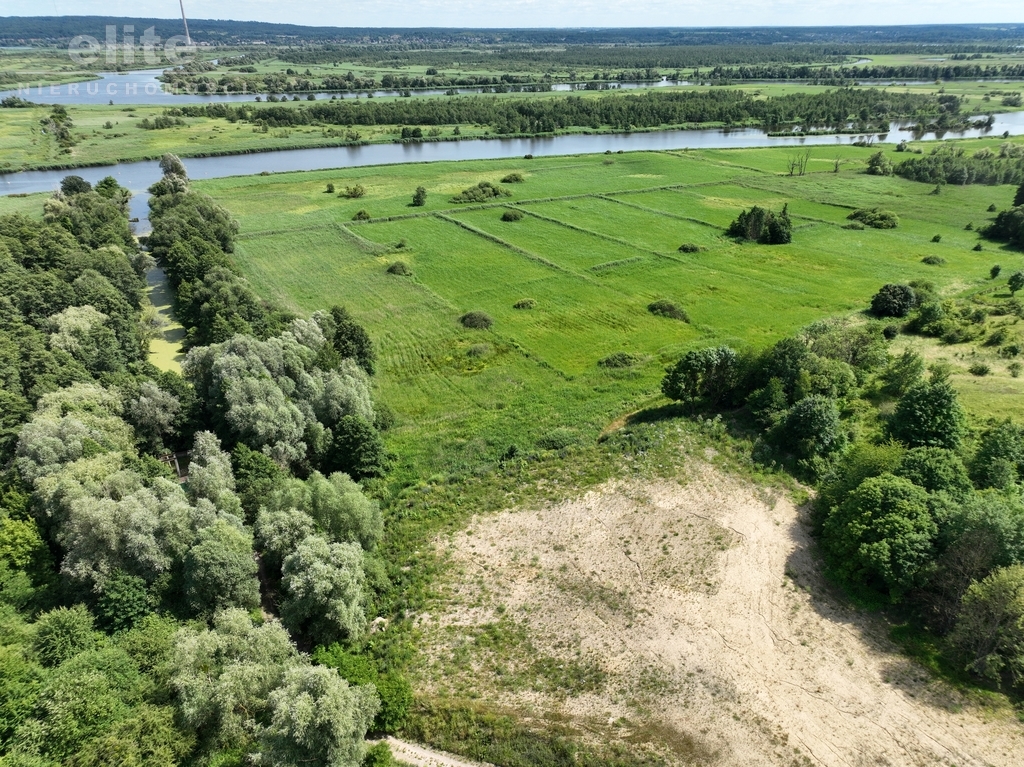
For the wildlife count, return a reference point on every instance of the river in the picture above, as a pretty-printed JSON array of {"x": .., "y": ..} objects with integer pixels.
[
  {"x": 143, "y": 87},
  {"x": 137, "y": 176}
]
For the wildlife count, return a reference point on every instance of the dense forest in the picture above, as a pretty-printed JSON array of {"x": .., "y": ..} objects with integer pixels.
[
  {"x": 835, "y": 108},
  {"x": 172, "y": 546}
]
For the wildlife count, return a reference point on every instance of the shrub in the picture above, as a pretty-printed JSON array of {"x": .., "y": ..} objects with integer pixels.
[
  {"x": 482, "y": 192},
  {"x": 476, "y": 320},
  {"x": 969, "y": 227},
  {"x": 400, "y": 268},
  {"x": 689, "y": 247},
  {"x": 524, "y": 303},
  {"x": 666, "y": 308},
  {"x": 933, "y": 260},
  {"x": 512, "y": 215},
  {"x": 63, "y": 633},
  {"x": 379, "y": 755},
  {"x": 330, "y": 188},
  {"x": 889, "y": 332},
  {"x": 893, "y": 301},
  {"x": 979, "y": 369},
  {"x": 855, "y": 225},
  {"x": 978, "y": 248},
  {"x": 478, "y": 350},
  {"x": 992, "y": 208},
  {"x": 618, "y": 360},
  {"x": 709, "y": 373},
  {"x": 419, "y": 198},
  {"x": 875, "y": 218},
  {"x": 763, "y": 226},
  {"x": 929, "y": 415},
  {"x": 1015, "y": 282},
  {"x": 994, "y": 271},
  {"x": 513, "y": 178},
  {"x": 1015, "y": 369},
  {"x": 353, "y": 192},
  {"x": 557, "y": 439},
  {"x": 527, "y": 156},
  {"x": 937, "y": 238},
  {"x": 812, "y": 427},
  {"x": 989, "y": 632},
  {"x": 881, "y": 536},
  {"x": 361, "y": 215},
  {"x": 880, "y": 165}
]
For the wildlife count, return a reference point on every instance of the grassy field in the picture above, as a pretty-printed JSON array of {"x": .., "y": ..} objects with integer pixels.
[{"x": 598, "y": 242}]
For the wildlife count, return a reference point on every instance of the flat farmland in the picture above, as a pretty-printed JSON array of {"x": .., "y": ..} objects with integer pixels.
[{"x": 598, "y": 241}]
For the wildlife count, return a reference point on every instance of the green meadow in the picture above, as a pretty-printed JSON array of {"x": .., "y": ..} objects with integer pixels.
[{"x": 599, "y": 240}]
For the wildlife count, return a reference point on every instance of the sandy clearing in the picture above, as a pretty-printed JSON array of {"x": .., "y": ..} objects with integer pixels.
[
  {"x": 420, "y": 756},
  {"x": 704, "y": 605}
]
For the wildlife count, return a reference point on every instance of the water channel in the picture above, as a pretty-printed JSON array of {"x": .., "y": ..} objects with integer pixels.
[{"x": 137, "y": 176}]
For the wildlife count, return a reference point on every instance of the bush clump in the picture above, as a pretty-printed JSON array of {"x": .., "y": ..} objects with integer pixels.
[
  {"x": 665, "y": 308},
  {"x": 979, "y": 369},
  {"x": 876, "y": 218},
  {"x": 524, "y": 303},
  {"x": 482, "y": 192},
  {"x": 400, "y": 268},
  {"x": 689, "y": 247},
  {"x": 855, "y": 225},
  {"x": 512, "y": 215},
  {"x": 557, "y": 439},
  {"x": 353, "y": 192},
  {"x": 476, "y": 320},
  {"x": 933, "y": 260},
  {"x": 618, "y": 360},
  {"x": 513, "y": 178},
  {"x": 361, "y": 215},
  {"x": 763, "y": 225},
  {"x": 478, "y": 350},
  {"x": 893, "y": 301}
]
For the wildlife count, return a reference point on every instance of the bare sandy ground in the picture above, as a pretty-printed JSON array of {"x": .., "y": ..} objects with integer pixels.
[
  {"x": 703, "y": 604},
  {"x": 421, "y": 756}
]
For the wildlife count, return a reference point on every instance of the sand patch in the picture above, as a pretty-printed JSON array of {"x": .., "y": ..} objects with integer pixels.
[{"x": 691, "y": 616}]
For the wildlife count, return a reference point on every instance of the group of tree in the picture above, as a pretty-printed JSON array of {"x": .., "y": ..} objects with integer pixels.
[
  {"x": 763, "y": 225},
  {"x": 951, "y": 164},
  {"x": 652, "y": 109},
  {"x": 127, "y": 597},
  {"x": 915, "y": 508},
  {"x": 1009, "y": 224}
]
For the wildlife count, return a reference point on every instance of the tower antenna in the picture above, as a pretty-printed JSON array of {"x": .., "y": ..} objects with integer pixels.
[{"x": 188, "y": 37}]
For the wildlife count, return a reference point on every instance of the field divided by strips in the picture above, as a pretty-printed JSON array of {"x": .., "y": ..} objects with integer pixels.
[{"x": 598, "y": 241}]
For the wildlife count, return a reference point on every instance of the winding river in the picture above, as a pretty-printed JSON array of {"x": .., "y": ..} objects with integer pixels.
[{"x": 137, "y": 176}]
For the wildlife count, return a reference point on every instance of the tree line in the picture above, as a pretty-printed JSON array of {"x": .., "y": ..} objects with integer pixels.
[
  {"x": 647, "y": 110},
  {"x": 829, "y": 74}
]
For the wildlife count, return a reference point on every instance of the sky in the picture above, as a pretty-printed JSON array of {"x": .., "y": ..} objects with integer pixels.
[{"x": 544, "y": 13}]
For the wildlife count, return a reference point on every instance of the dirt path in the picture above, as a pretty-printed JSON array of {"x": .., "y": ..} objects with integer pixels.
[
  {"x": 704, "y": 605},
  {"x": 419, "y": 756}
]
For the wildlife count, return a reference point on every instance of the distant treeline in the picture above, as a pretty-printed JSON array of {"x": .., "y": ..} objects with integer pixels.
[
  {"x": 59, "y": 29},
  {"x": 958, "y": 71},
  {"x": 672, "y": 56},
  {"x": 647, "y": 110}
]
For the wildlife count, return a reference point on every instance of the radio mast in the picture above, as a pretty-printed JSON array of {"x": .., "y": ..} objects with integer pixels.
[{"x": 188, "y": 38}]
